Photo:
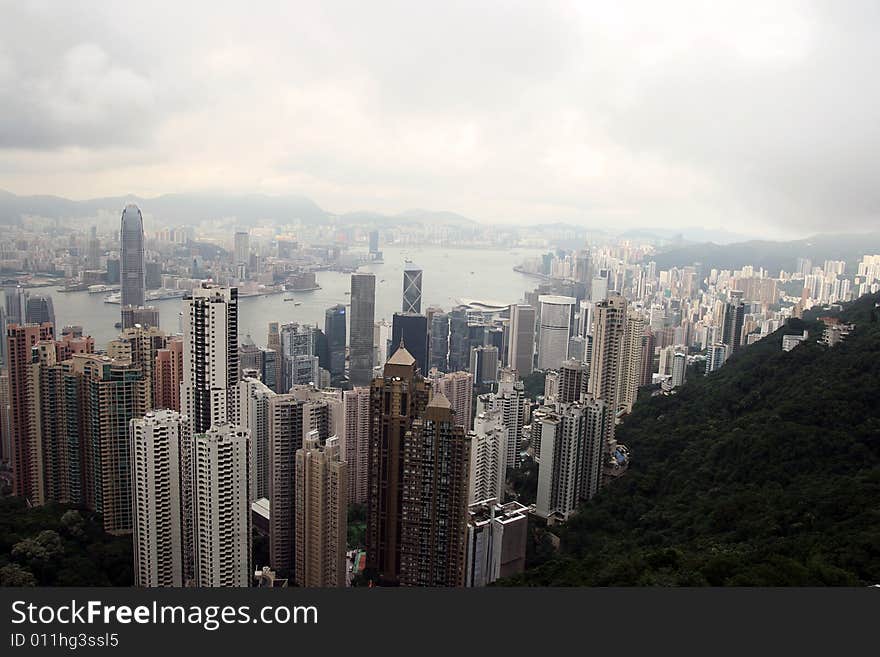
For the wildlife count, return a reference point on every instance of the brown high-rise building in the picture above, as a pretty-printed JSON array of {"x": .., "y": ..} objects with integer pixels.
[
  {"x": 290, "y": 422},
  {"x": 433, "y": 527},
  {"x": 418, "y": 481},
  {"x": 27, "y": 466},
  {"x": 321, "y": 513},
  {"x": 647, "y": 366},
  {"x": 168, "y": 375},
  {"x": 140, "y": 345},
  {"x": 396, "y": 399},
  {"x": 571, "y": 381}
]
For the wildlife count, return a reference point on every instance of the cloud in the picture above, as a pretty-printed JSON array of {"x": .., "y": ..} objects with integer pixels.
[{"x": 752, "y": 114}]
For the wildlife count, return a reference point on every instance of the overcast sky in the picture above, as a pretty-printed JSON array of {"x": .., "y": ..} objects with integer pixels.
[{"x": 757, "y": 117}]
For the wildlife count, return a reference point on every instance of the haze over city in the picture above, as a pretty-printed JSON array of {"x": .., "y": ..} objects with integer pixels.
[{"x": 756, "y": 118}]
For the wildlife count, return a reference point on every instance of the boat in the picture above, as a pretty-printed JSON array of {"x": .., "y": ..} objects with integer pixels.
[{"x": 298, "y": 303}]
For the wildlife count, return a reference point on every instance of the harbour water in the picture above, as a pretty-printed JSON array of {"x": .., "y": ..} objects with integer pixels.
[{"x": 449, "y": 275}]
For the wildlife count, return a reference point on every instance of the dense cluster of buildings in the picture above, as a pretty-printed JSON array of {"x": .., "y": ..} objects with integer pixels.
[{"x": 191, "y": 441}]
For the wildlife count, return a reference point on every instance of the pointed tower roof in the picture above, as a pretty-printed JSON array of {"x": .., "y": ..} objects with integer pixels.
[
  {"x": 401, "y": 357},
  {"x": 439, "y": 400}
]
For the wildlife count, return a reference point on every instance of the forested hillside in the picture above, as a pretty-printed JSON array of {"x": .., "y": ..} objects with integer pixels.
[{"x": 765, "y": 473}]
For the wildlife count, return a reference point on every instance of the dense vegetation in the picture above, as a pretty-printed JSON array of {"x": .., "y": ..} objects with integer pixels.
[
  {"x": 59, "y": 546},
  {"x": 766, "y": 472}
]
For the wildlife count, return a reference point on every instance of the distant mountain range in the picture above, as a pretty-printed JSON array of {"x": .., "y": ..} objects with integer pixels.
[
  {"x": 189, "y": 208},
  {"x": 771, "y": 255}
]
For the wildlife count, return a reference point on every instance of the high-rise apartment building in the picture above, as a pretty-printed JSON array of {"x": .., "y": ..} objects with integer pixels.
[
  {"x": 572, "y": 455},
  {"x": 554, "y": 330},
  {"x": 321, "y": 513},
  {"x": 496, "y": 541},
  {"x": 356, "y": 436},
  {"x": 141, "y": 346},
  {"x": 433, "y": 526},
  {"x": 25, "y": 441},
  {"x": 488, "y": 464},
  {"x": 363, "y": 311},
  {"x": 510, "y": 400},
  {"x": 210, "y": 355},
  {"x": 396, "y": 398},
  {"x": 131, "y": 237},
  {"x": 157, "y": 440},
  {"x": 254, "y": 416},
  {"x": 221, "y": 507},
  {"x": 168, "y": 375},
  {"x": 631, "y": 362},
  {"x": 458, "y": 388},
  {"x": 412, "y": 289}
]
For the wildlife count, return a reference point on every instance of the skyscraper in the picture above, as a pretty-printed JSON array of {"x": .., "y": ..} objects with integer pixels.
[
  {"x": 609, "y": 326},
  {"x": 39, "y": 309},
  {"x": 255, "y": 417},
  {"x": 488, "y": 462},
  {"x": 363, "y": 310},
  {"x": 734, "y": 316},
  {"x": 131, "y": 236},
  {"x": 334, "y": 329},
  {"x": 571, "y": 382},
  {"x": 412, "y": 288},
  {"x": 210, "y": 355},
  {"x": 411, "y": 329},
  {"x": 554, "y": 330},
  {"x": 156, "y": 442},
  {"x": 396, "y": 399},
  {"x": 496, "y": 541},
  {"x": 169, "y": 375},
  {"x": 458, "y": 388},
  {"x": 716, "y": 354},
  {"x": 433, "y": 528},
  {"x": 141, "y": 346},
  {"x": 321, "y": 513},
  {"x": 572, "y": 455},
  {"x": 508, "y": 400},
  {"x": 521, "y": 346},
  {"x": 356, "y": 418},
  {"x": 221, "y": 507},
  {"x": 25, "y": 443},
  {"x": 484, "y": 365},
  {"x": 242, "y": 248},
  {"x": 438, "y": 354},
  {"x": 631, "y": 362}
]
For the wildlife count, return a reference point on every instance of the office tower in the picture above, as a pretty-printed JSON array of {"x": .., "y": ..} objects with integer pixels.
[
  {"x": 554, "y": 330},
  {"x": 25, "y": 443},
  {"x": 274, "y": 340},
  {"x": 241, "y": 248},
  {"x": 488, "y": 464},
  {"x": 571, "y": 382},
  {"x": 271, "y": 369},
  {"x": 412, "y": 289},
  {"x": 572, "y": 453},
  {"x": 153, "y": 275},
  {"x": 716, "y": 354},
  {"x": 147, "y": 316},
  {"x": 93, "y": 249},
  {"x": 438, "y": 356},
  {"x": 114, "y": 269},
  {"x": 458, "y": 388},
  {"x": 374, "y": 242},
  {"x": 15, "y": 304},
  {"x": 255, "y": 417},
  {"x": 321, "y": 513},
  {"x": 396, "y": 399},
  {"x": 156, "y": 442},
  {"x": 140, "y": 346},
  {"x": 484, "y": 365},
  {"x": 210, "y": 355},
  {"x": 433, "y": 527},
  {"x": 521, "y": 346},
  {"x": 647, "y": 357},
  {"x": 357, "y": 442},
  {"x": 221, "y": 506},
  {"x": 290, "y": 421},
  {"x": 599, "y": 286},
  {"x": 496, "y": 541},
  {"x": 411, "y": 329},
  {"x": 583, "y": 268},
  {"x": 39, "y": 309},
  {"x": 459, "y": 341},
  {"x": 168, "y": 375},
  {"x": 631, "y": 362},
  {"x": 363, "y": 310},
  {"x": 334, "y": 329},
  {"x": 679, "y": 369},
  {"x": 382, "y": 342},
  {"x": 132, "y": 277},
  {"x": 300, "y": 364},
  {"x": 734, "y": 315}
]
